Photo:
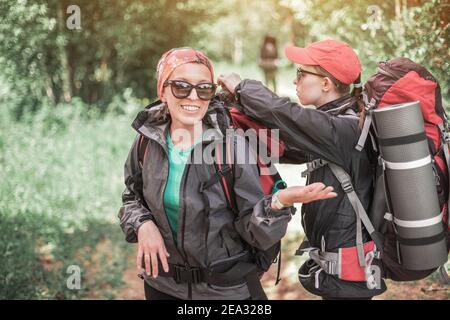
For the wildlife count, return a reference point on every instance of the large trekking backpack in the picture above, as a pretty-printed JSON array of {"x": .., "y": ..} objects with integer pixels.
[
  {"x": 397, "y": 81},
  {"x": 229, "y": 117}
]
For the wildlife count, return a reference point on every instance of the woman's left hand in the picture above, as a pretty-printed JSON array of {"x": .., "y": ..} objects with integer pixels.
[{"x": 309, "y": 193}]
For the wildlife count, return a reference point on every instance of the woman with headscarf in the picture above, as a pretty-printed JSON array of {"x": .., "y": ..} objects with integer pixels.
[{"x": 190, "y": 243}]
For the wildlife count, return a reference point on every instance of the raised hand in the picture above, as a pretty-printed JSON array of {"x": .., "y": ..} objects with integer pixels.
[{"x": 309, "y": 193}]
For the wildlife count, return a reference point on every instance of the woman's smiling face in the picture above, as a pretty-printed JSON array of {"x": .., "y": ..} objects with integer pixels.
[{"x": 190, "y": 110}]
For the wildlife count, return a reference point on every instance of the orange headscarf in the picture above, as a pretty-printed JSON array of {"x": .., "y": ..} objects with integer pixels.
[{"x": 175, "y": 58}]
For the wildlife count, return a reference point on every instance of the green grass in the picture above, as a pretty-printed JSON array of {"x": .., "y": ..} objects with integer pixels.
[{"x": 62, "y": 179}]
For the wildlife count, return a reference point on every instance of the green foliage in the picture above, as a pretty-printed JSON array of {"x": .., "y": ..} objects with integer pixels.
[
  {"x": 377, "y": 29},
  {"x": 118, "y": 45},
  {"x": 419, "y": 30},
  {"x": 116, "y": 48}
]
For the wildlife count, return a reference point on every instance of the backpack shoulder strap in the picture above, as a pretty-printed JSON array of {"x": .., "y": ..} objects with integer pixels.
[
  {"x": 369, "y": 106},
  {"x": 225, "y": 171},
  {"x": 224, "y": 164},
  {"x": 361, "y": 215}
]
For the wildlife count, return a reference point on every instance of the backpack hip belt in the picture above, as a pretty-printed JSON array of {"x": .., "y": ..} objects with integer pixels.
[{"x": 344, "y": 263}]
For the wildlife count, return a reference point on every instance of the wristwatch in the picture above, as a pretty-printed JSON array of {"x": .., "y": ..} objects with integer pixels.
[{"x": 277, "y": 203}]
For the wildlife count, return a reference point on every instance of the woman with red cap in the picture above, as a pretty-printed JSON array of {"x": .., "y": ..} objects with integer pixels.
[
  {"x": 191, "y": 244},
  {"x": 340, "y": 249}
]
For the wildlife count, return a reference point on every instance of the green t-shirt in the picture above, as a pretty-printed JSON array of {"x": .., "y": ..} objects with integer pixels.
[{"x": 177, "y": 162}]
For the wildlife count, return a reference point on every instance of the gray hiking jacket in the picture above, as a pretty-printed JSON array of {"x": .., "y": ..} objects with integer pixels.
[{"x": 209, "y": 233}]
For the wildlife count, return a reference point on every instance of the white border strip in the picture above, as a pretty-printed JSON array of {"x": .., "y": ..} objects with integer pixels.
[
  {"x": 408, "y": 165},
  {"x": 418, "y": 223}
]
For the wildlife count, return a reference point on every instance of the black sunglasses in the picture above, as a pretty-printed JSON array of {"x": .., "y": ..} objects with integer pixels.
[
  {"x": 182, "y": 89},
  {"x": 300, "y": 72}
]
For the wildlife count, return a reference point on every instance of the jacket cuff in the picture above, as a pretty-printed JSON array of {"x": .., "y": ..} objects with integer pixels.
[
  {"x": 274, "y": 213},
  {"x": 144, "y": 218}
]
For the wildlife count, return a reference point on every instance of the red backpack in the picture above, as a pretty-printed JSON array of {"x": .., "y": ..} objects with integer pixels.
[{"x": 397, "y": 81}]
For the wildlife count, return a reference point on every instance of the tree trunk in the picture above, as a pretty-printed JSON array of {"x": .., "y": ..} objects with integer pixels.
[{"x": 65, "y": 72}]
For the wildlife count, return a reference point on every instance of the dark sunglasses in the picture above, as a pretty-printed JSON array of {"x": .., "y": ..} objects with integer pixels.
[
  {"x": 182, "y": 89},
  {"x": 300, "y": 73}
]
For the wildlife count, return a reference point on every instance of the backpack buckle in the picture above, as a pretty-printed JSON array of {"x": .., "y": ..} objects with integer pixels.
[
  {"x": 444, "y": 130},
  {"x": 331, "y": 267},
  {"x": 347, "y": 186},
  {"x": 446, "y": 136}
]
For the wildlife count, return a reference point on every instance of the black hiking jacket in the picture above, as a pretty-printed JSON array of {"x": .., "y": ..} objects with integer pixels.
[{"x": 312, "y": 134}]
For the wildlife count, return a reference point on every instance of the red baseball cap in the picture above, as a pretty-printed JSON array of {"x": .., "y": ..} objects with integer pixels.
[{"x": 336, "y": 57}]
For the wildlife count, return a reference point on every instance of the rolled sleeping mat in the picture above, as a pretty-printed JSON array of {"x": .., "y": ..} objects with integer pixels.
[{"x": 411, "y": 186}]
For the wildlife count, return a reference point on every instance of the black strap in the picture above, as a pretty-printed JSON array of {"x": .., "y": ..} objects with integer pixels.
[
  {"x": 254, "y": 286},
  {"x": 421, "y": 241},
  {"x": 278, "y": 267},
  {"x": 301, "y": 249},
  {"x": 241, "y": 272},
  {"x": 246, "y": 270},
  {"x": 225, "y": 171},
  {"x": 386, "y": 142}
]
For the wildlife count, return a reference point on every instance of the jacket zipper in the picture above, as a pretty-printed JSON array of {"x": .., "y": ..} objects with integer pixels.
[
  {"x": 186, "y": 263},
  {"x": 183, "y": 206},
  {"x": 183, "y": 212}
]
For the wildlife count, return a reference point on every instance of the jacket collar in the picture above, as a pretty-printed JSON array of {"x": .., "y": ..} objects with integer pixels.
[
  {"x": 154, "y": 122},
  {"x": 335, "y": 106}
]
